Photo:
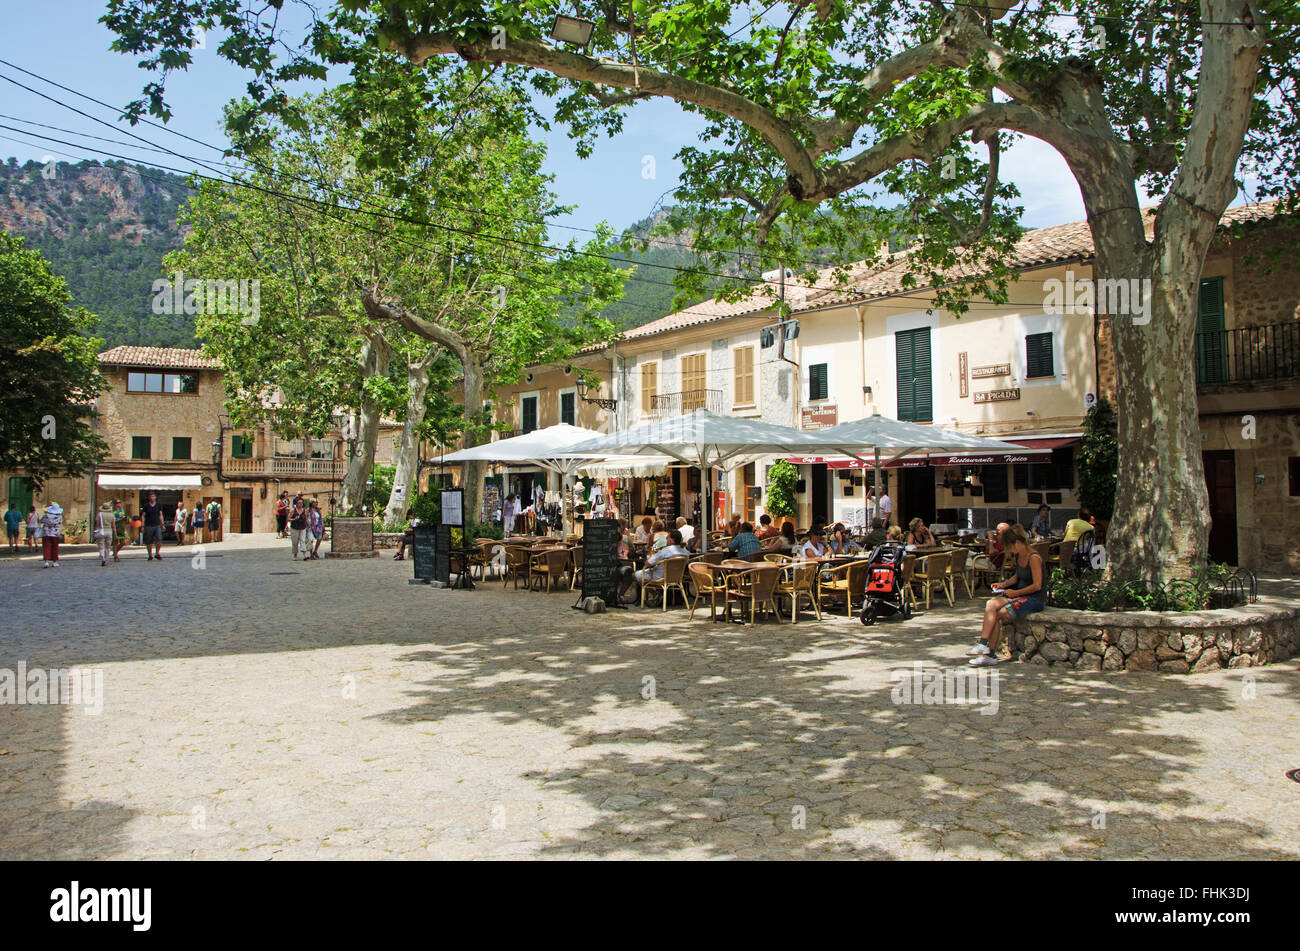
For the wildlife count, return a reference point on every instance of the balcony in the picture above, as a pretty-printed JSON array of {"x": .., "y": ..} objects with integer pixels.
[
  {"x": 285, "y": 468},
  {"x": 1248, "y": 355},
  {"x": 687, "y": 401}
]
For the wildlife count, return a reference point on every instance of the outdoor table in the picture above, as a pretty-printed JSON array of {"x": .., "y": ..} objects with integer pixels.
[{"x": 463, "y": 579}]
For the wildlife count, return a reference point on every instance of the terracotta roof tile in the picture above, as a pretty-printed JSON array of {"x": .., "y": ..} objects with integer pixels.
[{"x": 169, "y": 357}]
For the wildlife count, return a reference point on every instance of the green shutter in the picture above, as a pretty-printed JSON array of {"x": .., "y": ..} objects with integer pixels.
[
  {"x": 914, "y": 398},
  {"x": 818, "y": 382},
  {"x": 1038, "y": 356},
  {"x": 1211, "y": 340}
]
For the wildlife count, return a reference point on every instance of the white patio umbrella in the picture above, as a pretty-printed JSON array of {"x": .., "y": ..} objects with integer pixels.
[
  {"x": 704, "y": 440},
  {"x": 896, "y": 438},
  {"x": 546, "y": 449}
]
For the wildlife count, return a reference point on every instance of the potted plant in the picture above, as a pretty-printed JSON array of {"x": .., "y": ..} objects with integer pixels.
[{"x": 781, "y": 481}]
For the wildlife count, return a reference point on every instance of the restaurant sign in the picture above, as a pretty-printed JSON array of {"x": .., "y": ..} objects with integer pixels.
[
  {"x": 997, "y": 369},
  {"x": 818, "y": 417},
  {"x": 998, "y": 396}
]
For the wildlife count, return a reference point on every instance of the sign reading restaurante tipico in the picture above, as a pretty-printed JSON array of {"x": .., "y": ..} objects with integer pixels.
[
  {"x": 998, "y": 396},
  {"x": 997, "y": 369}
]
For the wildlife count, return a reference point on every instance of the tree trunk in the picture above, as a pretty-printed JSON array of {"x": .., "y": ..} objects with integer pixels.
[
  {"x": 417, "y": 377},
  {"x": 375, "y": 357},
  {"x": 1161, "y": 522}
]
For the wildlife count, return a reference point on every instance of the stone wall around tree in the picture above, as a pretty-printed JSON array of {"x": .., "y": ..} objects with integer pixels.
[{"x": 1166, "y": 642}]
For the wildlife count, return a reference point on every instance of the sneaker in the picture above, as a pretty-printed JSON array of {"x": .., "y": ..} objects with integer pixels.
[
  {"x": 984, "y": 660},
  {"x": 978, "y": 650}
]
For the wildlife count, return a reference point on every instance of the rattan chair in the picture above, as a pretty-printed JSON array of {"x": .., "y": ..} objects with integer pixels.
[
  {"x": 549, "y": 565},
  {"x": 705, "y": 582},
  {"x": 934, "y": 573},
  {"x": 909, "y": 572},
  {"x": 674, "y": 575},
  {"x": 710, "y": 558},
  {"x": 799, "y": 580},
  {"x": 576, "y": 554},
  {"x": 847, "y": 579},
  {"x": 957, "y": 570},
  {"x": 516, "y": 566},
  {"x": 755, "y": 586},
  {"x": 776, "y": 558}
]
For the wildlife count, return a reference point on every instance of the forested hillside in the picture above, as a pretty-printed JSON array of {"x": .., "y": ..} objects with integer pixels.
[{"x": 104, "y": 228}]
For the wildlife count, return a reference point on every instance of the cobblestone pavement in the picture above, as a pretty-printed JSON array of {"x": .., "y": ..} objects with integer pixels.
[{"x": 265, "y": 709}]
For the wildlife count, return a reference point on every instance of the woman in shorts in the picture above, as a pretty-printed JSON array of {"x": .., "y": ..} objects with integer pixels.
[{"x": 1014, "y": 598}]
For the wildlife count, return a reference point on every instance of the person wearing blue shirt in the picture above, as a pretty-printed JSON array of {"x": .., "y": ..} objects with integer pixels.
[
  {"x": 745, "y": 543},
  {"x": 13, "y": 522}
]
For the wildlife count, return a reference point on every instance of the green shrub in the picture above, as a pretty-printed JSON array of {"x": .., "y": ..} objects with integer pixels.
[{"x": 781, "y": 480}]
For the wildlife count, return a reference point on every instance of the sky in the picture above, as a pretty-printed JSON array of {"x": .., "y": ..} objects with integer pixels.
[{"x": 63, "y": 41}]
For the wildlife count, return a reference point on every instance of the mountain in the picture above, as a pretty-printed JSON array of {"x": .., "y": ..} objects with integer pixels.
[{"x": 105, "y": 228}]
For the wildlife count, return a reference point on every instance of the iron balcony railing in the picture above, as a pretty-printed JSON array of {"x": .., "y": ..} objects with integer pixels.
[
  {"x": 1248, "y": 354},
  {"x": 687, "y": 401}
]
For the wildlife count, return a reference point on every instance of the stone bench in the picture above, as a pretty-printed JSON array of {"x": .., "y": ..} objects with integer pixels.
[{"x": 1168, "y": 642}]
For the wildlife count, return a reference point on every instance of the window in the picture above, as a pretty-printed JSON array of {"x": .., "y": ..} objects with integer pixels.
[
  {"x": 694, "y": 380},
  {"x": 322, "y": 449},
  {"x": 819, "y": 381},
  {"x": 1038, "y": 356},
  {"x": 649, "y": 386},
  {"x": 181, "y": 447},
  {"x": 994, "y": 480},
  {"x": 140, "y": 381},
  {"x": 288, "y": 448},
  {"x": 241, "y": 447},
  {"x": 1020, "y": 475},
  {"x": 914, "y": 399},
  {"x": 1054, "y": 473},
  {"x": 1293, "y": 473},
  {"x": 744, "y": 387},
  {"x": 568, "y": 413},
  {"x": 141, "y": 447},
  {"x": 1211, "y": 337},
  {"x": 528, "y": 412}
]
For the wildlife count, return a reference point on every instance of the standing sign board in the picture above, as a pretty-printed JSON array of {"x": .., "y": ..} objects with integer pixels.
[
  {"x": 600, "y": 564},
  {"x": 453, "y": 507},
  {"x": 442, "y": 555},
  {"x": 423, "y": 552}
]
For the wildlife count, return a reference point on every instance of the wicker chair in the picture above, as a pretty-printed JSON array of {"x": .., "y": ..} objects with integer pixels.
[
  {"x": 549, "y": 565},
  {"x": 517, "y": 566},
  {"x": 957, "y": 570},
  {"x": 576, "y": 554},
  {"x": 934, "y": 573},
  {"x": 799, "y": 580},
  {"x": 494, "y": 558},
  {"x": 755, "y": 586},
  {"x": 674, "y": 574},
  {"x": 847, "y": 579},
  {"x": 710, "y": 558},
  {"x": 776, "y": 558},
  {"x": 909, "y": 572},
  {"x": 705, "y": 582}
]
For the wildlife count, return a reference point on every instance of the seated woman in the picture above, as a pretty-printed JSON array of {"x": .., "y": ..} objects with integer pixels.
[
  {"x": 815, "y": 546},
  {"x": 783, "y": 542},
  {"x": 1014, "y": 598},
  {"x": 840, "y": 543},
  {"x": 919, "y": 535},
  {"x": 658, "y": 536},
  {"x": 644, "y": 531},
  {"x": 408, "y": 538},
  {"x": 895, "y": 533}
]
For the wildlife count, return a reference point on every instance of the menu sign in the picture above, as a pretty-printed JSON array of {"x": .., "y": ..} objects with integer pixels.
[
  {"x": 423, "y": 552},
  {"x": 442, "y": 555},
  {"x": 453, "y": 501},
  {"x": 998, "y": 396},
  {"x": 600, "y": 564},
  {"x": 818, "y": 417}
]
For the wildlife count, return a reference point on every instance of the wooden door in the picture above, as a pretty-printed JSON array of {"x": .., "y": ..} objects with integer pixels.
[{"x": 1221, "y": 482}]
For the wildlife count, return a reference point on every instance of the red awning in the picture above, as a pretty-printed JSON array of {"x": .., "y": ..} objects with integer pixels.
[{"x": 1034, "y": 446}]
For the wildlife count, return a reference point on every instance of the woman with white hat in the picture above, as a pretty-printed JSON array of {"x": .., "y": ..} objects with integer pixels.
[
  {"x": 51, "y": 534},
  {"x": 105, "y": 529}
]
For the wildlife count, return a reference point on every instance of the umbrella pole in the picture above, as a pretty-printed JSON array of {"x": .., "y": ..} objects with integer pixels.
[
  {"x": 875, "y": 485},
  {"x": 706, "y": 506}
]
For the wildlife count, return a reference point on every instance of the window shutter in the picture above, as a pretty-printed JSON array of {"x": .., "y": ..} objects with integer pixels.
[
  {"x": 1038, "y": 356},
  {"x": 649, "y": 386},
  {"x": 818, "y": 382},
  {"x": 915, "y": 403},
  {"x": 1211, "y": 340},
  {"x": 744, "y": 395}
]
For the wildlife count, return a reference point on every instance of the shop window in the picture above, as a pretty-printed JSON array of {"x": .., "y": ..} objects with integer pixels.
[
  {"x": 181, "y": 447},
  {"x": 141, "y": 447}
]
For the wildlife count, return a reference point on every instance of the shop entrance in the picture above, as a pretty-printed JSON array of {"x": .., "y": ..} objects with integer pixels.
[
  {"x": 168, "y": 499},
  {"x": 916, "y": 495},
  {"x": 1221, "y": 482},
  {"x": 821, "y": 498}
]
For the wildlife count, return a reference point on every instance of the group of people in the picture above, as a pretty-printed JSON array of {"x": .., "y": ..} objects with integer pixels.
[
  {"x": 203, "y": 522},
  {"x": 302, "y": 522},
  {"x": 45, "y": 526}
]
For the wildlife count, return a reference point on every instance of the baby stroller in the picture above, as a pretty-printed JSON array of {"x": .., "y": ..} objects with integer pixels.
[{"x": 885, "y": 584}]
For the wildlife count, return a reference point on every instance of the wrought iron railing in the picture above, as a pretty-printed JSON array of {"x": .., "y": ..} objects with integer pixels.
[
  {"x": 687, "y": 401},
  {"x": 1248, "y": 354}
]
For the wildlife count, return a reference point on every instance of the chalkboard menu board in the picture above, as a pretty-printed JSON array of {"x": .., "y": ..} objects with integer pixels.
[
  {"x": 442, "y": 555},
  {"x": 600, "y": 537},
  {"x": 422, "y": 552}
]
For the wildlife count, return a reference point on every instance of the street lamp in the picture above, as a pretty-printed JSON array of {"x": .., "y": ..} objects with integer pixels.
[{"x": 603, "y": 403}]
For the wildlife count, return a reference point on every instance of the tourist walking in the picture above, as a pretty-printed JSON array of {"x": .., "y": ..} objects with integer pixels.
[
  {"x": 51, "y": 534},
  {"x": 197, "y": 520},
  {"x": 179, "y": 526},
  {"x": 215, "y": 522},
  {"x": 297, "y": 525},
  {"x": 13, "y": 521},
  {"x": 282, "y": 515},
  {"x": 33, "y": 526},
  {"x": 1013, "y": 598},
  {"x": 119, "y": 528},
  {"x": 152, "y": 515},
  {"x": 105, "y": 532},
  {"x": 316, "y": 527}
]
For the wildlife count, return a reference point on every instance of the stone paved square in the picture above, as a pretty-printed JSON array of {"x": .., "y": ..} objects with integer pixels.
[{"x": 261, "y": 708}]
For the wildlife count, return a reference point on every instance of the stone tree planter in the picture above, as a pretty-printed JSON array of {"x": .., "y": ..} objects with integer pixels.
[{"x": 352, "y": 538}]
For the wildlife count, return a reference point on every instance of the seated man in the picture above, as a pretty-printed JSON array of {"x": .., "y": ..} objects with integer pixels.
[
  {"x": 654, "y": 570},
  {"x": 745, "y": 543},
  {"x": 408, "y": 538},
  {"x": 687, "y": 530},
  {"x": 1076, "y": 526},
  {"x": 877, "y": 536}
]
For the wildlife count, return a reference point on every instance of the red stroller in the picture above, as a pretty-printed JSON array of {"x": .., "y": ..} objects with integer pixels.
[{"x": 884, "y": 594}]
